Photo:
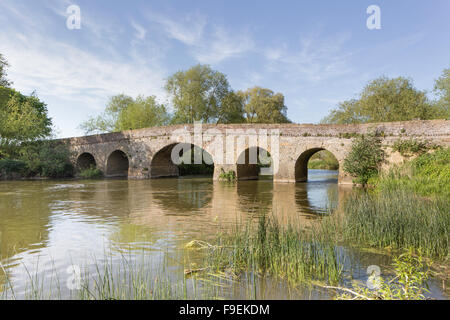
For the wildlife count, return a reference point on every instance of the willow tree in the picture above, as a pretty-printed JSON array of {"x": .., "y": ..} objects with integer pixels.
[
  {"x": 201, "y": 94},
  {"x": 262, "y": 105}
]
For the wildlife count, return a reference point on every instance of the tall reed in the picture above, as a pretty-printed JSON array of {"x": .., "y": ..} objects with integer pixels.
[
  {"x": 396, "y": 219},
  {"x": 290, "y": 253}
]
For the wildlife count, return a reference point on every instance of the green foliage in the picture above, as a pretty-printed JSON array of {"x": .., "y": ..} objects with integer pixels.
[
  {"x": 124, "y": 113},
  {"x": 364, "y": 159},
  {"x": 426, "y": 175},
  {"x": 263, "y": 106},
  {"x": 91, "y": 173},
  {"x": 408, "y": 148},
  {"x": 9, "y": 166},
  {"x": 46, "y": 159},
  {"x": 384, "y": 99},
  {"x": 227, "y": 176},
  {"x": 22, "y": 119},
  {"x": 323, "y": 160},
  {"x": 198, "y": 93},
  {"x": 410, "y": 282},
  {"x": 442, "y": 89},
  {"x": 3, "y": 65},
  {"x": 232, "y": 109},
  {"x": 142, "y": 113},
  {"x": 396, "y": 219}
]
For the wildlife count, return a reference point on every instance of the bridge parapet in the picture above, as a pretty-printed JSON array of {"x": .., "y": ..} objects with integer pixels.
[{"x": 296, "y": 143}]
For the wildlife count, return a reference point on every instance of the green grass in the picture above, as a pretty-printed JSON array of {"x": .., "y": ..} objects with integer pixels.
[
  {"x": 285, "y": 252},
  {"x": 426, "y": 175},
  {"x": 393, "y": 219}
]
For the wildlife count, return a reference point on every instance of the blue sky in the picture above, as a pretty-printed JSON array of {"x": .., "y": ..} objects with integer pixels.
[{"x": 316, "y": 53}]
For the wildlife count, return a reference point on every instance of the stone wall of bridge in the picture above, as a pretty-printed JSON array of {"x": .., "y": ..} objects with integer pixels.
[{"x": 146, "y": 152}]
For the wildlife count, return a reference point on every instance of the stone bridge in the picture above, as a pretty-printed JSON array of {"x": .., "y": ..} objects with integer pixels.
[{"x": 146, "y": 153}]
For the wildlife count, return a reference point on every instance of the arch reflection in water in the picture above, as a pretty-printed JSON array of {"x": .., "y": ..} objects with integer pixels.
[
  {"x": 250, "y": 163},
  {"x": 320, "y": 194},
  {"x": 183, "y": 196}
]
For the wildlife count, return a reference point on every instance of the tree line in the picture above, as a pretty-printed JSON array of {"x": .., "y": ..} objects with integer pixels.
[{"x": 197, "y": 94}]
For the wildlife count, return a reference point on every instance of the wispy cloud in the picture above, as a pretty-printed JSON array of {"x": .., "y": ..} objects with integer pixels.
[
  {"x": 207, "y": 42},
  {"x": 62, "y": 69},
  {"x": 317, "y": 58}
]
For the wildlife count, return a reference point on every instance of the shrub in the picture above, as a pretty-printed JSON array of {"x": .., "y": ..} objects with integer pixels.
[
  {"x": 9, "y": 166},
  {"x": 91, "y": 173},
  {"x": 365, "y": 158},
  {"x": 227, "y": 176},
  {"x": 411, "y": 147},
  {"x": 47, "y": 159},
  {"x": 426, "y": 175}
]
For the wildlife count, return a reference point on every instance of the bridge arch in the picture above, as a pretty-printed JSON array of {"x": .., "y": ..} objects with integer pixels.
[
  {"x": 162, "y": 165},
  {"x": 85, "y": 161},
  {"x": 301, "y": 164},
  {"x": 250, "y": 163},
  {"x": 117, "y": 164}
]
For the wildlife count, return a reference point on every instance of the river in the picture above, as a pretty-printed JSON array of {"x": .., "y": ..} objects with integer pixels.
[{"x": 47, "y": 226}]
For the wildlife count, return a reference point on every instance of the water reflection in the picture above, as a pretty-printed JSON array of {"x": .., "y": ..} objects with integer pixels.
[{"x": 60, "y": 223}]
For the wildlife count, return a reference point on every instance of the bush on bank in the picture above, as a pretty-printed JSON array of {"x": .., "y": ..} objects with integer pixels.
[
  {"x": 426, "y": 175},
  {"x": 91, "y": 173},
  {"x": 38, "y": 159}
]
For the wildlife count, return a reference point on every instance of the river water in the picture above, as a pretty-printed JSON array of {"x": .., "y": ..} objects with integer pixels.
[{"x": 48, "y": 226}]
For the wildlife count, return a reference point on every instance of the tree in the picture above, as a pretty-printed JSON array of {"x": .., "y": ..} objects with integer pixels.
[
  {"x": 22, "y": 119},
  {"x": 3, "y": 65},
  {"x": 442, "y": 89},
  {"x": 232, "y": 109},
  {"x": 365, "y": 158},
  {"x": 197, "y": 94},
  {"x": 142, "y": 113},
  {"x": 263, "y": 106},
  {"x": 382, "y": 100},
  {"x": 124, "y": 113}
]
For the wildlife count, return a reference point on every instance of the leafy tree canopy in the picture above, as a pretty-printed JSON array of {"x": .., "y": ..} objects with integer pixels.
[
  {"x": 385, "y": 99},
  {"x": 262, "y": 105},
  {"x": 124, "y": 113},
  {"x": 22, "y": 119},
  {"x": 3, "y": 65},
  {"x": 199, "y": 94},
  {"x": 442, "y": 89}
]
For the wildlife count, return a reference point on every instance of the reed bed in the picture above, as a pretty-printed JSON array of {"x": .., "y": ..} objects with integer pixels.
[
  {"x": 393, "y": 219},
  {"x": 289, "y": 252}
]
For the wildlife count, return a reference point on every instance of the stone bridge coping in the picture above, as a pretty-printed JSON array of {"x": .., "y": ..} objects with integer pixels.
[{"x": 422, "y": 128}]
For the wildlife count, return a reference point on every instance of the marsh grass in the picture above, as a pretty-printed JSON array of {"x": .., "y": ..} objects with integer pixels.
[
  {"x": 427, "y": 175},
  {"x": 392, "y": 220},
  {"x": 288, "y": 252}
]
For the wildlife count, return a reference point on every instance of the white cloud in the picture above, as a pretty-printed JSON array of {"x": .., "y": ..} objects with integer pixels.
[
  {"x": 140, "y": 31},
  {"x": 188, "y": 30},
  {"x": 207, "y": 42},
  {"x": 317, "y": 59}
]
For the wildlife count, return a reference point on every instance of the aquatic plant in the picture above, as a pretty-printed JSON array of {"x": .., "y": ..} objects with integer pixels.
[{"x": 290, "y": 253}]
